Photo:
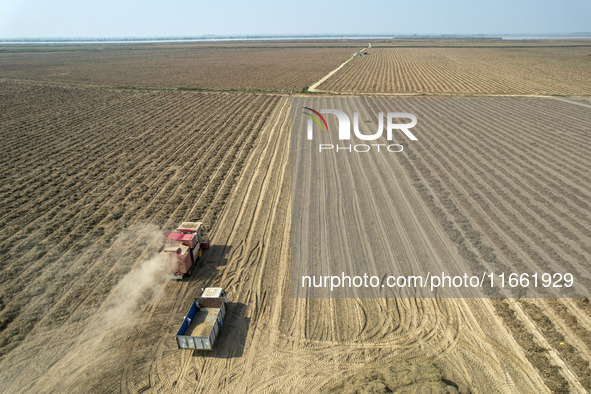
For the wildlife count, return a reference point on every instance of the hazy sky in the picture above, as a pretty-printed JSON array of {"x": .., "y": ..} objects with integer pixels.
[{"x": 150, "y": 18}]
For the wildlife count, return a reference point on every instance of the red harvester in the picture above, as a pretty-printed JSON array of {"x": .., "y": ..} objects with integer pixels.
[{"x": 186, "y": 245}]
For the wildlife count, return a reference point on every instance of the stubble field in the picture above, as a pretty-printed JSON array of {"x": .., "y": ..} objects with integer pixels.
[
  {"x": 175, "y": 66},
  {"x": 91, "y": 176}
]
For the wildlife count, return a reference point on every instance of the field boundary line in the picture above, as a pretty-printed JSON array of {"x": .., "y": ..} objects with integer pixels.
[
  {"x": 146, "y": 88},
  {"x": 330, "y": 74},
  {"x": 570, "y": 101}
]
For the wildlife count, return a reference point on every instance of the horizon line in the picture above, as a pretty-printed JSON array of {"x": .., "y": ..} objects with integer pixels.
[{"x": 215, "y": 37}]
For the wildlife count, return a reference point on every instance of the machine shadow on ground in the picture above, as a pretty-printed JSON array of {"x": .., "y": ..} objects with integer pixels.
[
  {"x": 206, "y": 269},
  {"x": 216, "y": 253}
]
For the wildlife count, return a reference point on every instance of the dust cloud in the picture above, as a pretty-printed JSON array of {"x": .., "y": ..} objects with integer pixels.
[
  {"x": 99, "y": 342},
  {"x": 142, "y": 285}
]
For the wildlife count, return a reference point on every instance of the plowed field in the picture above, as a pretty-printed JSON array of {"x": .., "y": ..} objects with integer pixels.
[
  {"x": 175, "y": 66},
  {"x": 93, "y": 176},
  {"x": 472, "y": 71}
]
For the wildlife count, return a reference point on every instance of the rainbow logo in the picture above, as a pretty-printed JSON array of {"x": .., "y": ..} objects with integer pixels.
[{"x": 315, "y": 116}]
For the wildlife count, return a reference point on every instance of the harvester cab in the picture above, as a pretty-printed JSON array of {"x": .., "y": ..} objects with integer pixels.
[{"x": 196, "y": 228}]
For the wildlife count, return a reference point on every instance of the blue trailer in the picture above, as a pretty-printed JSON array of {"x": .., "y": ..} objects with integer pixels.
[{"x": 204, "y": 321}]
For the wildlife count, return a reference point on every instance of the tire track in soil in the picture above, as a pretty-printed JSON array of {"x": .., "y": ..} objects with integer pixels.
[
  {"x": 259, "y": 368},
  {"x": 274, "y": 334},
  {"x": 226, "y": 186},
  {"x": 573, "y": 383}
]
